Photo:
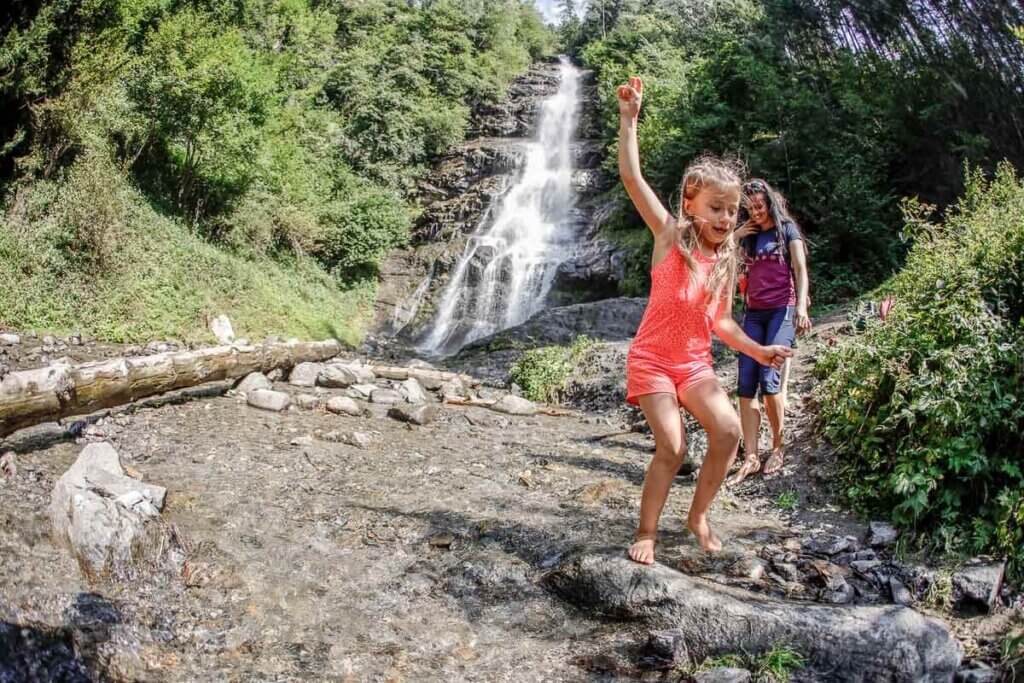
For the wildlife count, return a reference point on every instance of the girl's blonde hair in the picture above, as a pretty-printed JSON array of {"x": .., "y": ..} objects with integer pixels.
[{"x": 725, "y": 175}]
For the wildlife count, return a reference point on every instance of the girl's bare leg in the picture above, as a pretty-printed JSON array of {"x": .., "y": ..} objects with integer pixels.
[
  {"x": 662, "y": 413},
  {"x": 710, "y": 405}
]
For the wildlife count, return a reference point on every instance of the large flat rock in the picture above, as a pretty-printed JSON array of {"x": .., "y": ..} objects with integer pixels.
[{"x": 857, "y": 643}]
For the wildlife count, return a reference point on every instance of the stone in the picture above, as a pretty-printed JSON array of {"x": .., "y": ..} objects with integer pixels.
[
  {"x": 9, "y": 464},
  {"x": 442, "y": 540},
  {"x": 252, "y": 382},
  {"x": 266, "y": 399},
  {"x": 308, "y": 401},
  {"x": 364, "y": 374},
  {"x": 864, "y": 567},
  {"x": 788, "y": 572},
  {"x": 751, "y": 568},
  {"x": 723, "y": 674},
  {"x": 668, "y": 645},
  {"x": 977, "y": 672},
  {"x": 453, "y": 389},
  {"x": 420, "y": 414},
  {"x": 413, "y": 391},
  {"x": 844, "y": 559},
  {"x": 430, "y": 383},
  {"x": 343, "y": 405},
  {"x": 222, "y": 330},
  {"x": 881, "y": 534},
  {"x": 826, "y": 544},
  {"x": 385, "y": 396},
  {"x": 102, "y": 516},
  {"x": 976, "y": 585},
  {"x": 361, "y": 391},
  {"x": 337, "y": 376},
  {"x": 514, "y": 405},
  {"x": 838, "y": 592},
  {"x": 301, "y": 441},
  {"x": 305, "y": 374},
  {"x": 357, "y": 439},
  {"x": 9, "y": 339},
  {"x": 900, "y": 594}
]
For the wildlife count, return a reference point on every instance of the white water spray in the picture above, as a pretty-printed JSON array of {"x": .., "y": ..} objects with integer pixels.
[{"x": 508, "y": 266}]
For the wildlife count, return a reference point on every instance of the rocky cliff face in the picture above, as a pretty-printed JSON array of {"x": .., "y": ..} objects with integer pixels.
[{"x": 463, "y": 188}]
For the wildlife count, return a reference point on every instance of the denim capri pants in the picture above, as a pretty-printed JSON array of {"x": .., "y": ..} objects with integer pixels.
[{"x": 766, "y": 327}]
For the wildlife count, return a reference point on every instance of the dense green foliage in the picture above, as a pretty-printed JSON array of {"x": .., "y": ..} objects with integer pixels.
[
  {"x": 925, "y": 407},
  {"x": 541, "y": 373},
  {"x": 845, "y": 109},
  {"x": 282, "y": 135}
]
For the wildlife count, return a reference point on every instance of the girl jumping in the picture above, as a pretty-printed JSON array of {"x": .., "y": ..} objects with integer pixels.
[{"x": 693, "y": 273}]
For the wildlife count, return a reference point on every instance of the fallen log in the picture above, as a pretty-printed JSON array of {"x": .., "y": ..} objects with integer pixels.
[
  {"x": 61, "y": 390},
  {"x": 841, "y": 643}
]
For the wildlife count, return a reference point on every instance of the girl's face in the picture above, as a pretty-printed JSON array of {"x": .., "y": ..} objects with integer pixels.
[
  {"x": 759, "y": 210},
  {"x": 713, "y": 211}
]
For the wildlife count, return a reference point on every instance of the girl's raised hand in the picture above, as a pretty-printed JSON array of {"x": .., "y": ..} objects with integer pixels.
[{"x": 631, "y": 96}]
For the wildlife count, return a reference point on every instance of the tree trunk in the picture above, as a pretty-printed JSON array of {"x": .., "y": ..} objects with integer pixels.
[{"x": 60, "y": 390}]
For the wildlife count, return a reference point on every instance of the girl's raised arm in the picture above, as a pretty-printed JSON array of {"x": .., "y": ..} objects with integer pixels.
[{"x": 655, "y": 215}]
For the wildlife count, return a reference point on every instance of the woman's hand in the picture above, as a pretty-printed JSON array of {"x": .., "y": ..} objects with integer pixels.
[
  {"x": 774, "y": 355},
  {"x": 803, "y": 321},
  {"x": 746, "y": 230},
  {"x": 631, "y": 96}
]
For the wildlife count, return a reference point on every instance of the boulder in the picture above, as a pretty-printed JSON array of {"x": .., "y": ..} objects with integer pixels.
[
  {"x": 305, "y": 374},
  {"x": 514, "y": 405},
  {"x": 108, "y": 520},
  {"x": 266, "y": 399},
  {"x": 343, "y": 405},
  {"x": 252, "y": 382}
]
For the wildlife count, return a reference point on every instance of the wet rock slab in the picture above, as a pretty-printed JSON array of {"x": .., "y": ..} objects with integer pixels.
[{"x": 864, "y": 643}]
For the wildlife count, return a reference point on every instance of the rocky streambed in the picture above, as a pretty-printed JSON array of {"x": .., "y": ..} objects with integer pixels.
[{"x": 370, "y": 531}]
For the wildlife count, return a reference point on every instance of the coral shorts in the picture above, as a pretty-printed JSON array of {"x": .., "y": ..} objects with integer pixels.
[{"x": 646, "y": 375}]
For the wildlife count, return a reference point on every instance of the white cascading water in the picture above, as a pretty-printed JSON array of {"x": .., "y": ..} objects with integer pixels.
[{"x": 508, "y": 266}]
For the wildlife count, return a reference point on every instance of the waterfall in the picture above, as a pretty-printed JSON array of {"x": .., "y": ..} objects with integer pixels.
[{"x": 507, "y": 268}]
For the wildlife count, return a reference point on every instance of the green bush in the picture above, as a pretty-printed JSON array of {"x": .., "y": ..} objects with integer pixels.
[
  {"x": 926, "y": 406},
  {"x": 542, "y": 372},
  {"x": 360, "y": 231}
]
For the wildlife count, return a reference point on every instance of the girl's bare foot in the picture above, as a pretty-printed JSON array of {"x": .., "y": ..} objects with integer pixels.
[
  {"x": 751, "y": 465},
  {"x": 642, "y": 550},
  {"x": 707, "y": 539},
  {"x": 774, "y": 462}
]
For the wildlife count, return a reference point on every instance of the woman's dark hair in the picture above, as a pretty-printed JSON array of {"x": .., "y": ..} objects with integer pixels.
[{"x": 777, "y": 207}]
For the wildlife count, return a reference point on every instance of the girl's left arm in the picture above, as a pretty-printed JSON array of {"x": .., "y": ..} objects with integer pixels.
[{"x": 798, "y": 257}]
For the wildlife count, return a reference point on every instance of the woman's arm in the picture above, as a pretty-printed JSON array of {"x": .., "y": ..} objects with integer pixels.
[
  {"x": 798, "y": 257},
  {"x": 655, "y": 215}
]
